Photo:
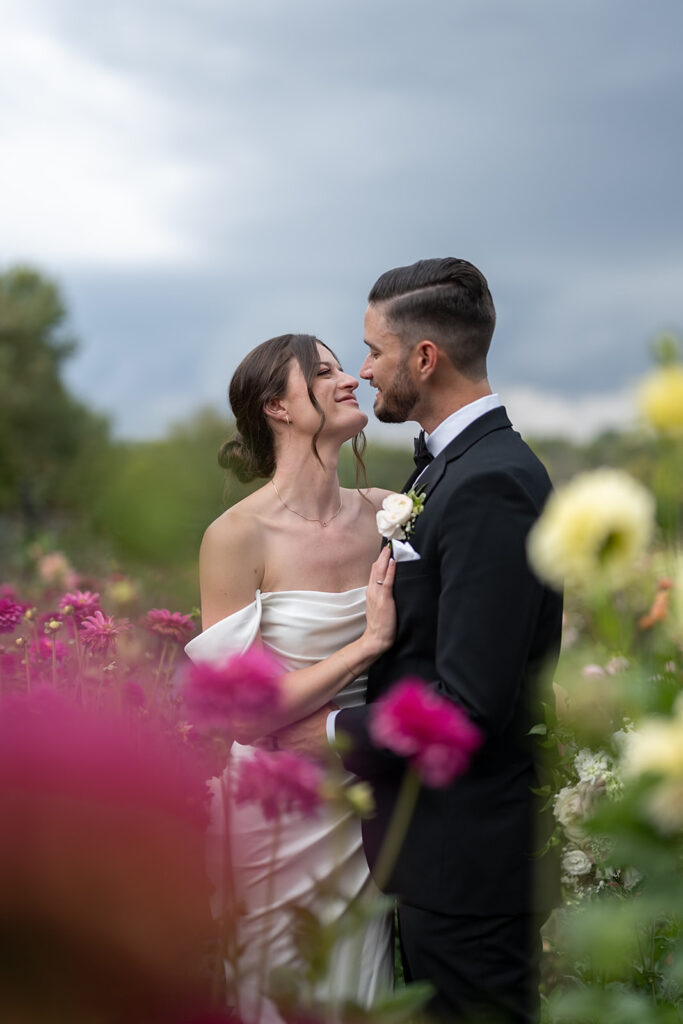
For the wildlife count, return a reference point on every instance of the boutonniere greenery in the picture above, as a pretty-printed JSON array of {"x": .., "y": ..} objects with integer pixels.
[{"x": 398, "y": 514}]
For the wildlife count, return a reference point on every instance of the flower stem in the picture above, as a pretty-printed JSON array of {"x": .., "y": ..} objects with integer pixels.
[
  {"x": 28, "y": 671},
  {"x": 270, "y": 907},
  {"x": 228, "y": 943},
  {"x": 159, "y": 670},
  {"x": 54, "y": 660},
  {"x": 79, "y": 654},
  {"x": 398, "y": 826}
]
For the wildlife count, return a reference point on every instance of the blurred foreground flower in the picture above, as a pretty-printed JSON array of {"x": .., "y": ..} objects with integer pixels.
[
  {"x": 659, "y": 609},
  {"x": 239, "y": 694},
  {"x": 11, "y": 614},
  {"x": 592, "y": 531},
  {"x": 103, "y": 902},
  {"x": 678, "y": 595},
  {"x": 279, "y": 782},
  {"x": 412, "y": 721},
  {"x": 661, "y": 398},
  {"x": 655, "y": 748},
  {"x": 169, "y": 625}
]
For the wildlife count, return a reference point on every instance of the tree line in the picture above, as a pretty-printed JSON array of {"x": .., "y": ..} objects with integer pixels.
[{"x": 148, "y": 502}]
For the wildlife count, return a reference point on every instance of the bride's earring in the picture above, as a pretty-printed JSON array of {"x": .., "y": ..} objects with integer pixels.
[{"x": 287, "y": 418}]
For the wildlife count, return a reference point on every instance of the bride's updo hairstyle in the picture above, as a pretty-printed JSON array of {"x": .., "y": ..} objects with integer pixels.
[{"x": 261, "y": 377}]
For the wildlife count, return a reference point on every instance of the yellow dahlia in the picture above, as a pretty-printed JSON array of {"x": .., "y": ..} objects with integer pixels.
[
  {"x": 661, "y": 398},
  {"x": 655, "y": 746},
  {"x": 593, "y": 530}
]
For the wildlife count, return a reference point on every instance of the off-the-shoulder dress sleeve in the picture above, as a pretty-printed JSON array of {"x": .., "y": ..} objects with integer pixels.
[{"x": 231, "y": 635}]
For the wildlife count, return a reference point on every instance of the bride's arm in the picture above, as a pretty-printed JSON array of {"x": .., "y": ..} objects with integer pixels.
[{"x": 231, "y": 570}]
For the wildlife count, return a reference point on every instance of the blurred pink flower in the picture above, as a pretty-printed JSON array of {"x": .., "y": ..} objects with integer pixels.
[
  {"x": 41, "y": 649},
  {"x": 279, "y": 782},
  {"x": 88, "y": 813},
  {"x": 241, "y": 692},
  {"x": 411, "y": 720},
  {"x": 54, "y": 567},
  {"x": 133, "y": 695},
  {"x": 11, "y": 614},
  {"x": 592, "y": 671},
  {"x": 11, "y": 665},
  {"x": 83, "y": 603},
  {"x": 169, "y": 625},
  {"x": 99, "y": 632}
]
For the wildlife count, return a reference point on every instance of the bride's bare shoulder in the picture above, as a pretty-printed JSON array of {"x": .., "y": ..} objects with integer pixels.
[
  {"x": 237, "y": 533},
  {"x": 374, "y": 496}
]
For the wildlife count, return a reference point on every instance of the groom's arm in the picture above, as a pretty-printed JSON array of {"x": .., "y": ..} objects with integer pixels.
[
  {"x": 358, "y": 752},
  {"x": 313, "y": 735}
]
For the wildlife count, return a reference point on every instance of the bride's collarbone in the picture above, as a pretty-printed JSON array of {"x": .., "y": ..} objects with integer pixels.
[{"x": 322, "y": 563}]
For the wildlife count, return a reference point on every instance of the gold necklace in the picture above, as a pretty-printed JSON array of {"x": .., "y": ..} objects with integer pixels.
[{"x": 323, "y": 522}]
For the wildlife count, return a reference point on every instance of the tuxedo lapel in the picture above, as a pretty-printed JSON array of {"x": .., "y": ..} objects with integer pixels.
[
  {"x": 410, "y": 481},
  {"x": 496, "y": 419}
]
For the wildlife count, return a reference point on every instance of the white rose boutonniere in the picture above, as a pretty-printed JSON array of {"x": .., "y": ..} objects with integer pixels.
[{"x": 396, "y": 518}]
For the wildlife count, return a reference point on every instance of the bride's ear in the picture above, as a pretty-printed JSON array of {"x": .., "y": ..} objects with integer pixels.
[{"x": 275, "y": 410}]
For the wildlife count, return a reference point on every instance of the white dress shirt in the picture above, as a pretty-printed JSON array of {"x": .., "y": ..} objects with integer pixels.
[
  {"x": 439, "y": 439},
  {"x": 454, "y": 424}
]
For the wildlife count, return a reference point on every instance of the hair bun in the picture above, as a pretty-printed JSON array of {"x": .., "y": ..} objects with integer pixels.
[{"x": 236, "y": 456}]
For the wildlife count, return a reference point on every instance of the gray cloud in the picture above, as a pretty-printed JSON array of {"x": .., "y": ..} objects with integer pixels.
[{"x": 300, "y": 149}]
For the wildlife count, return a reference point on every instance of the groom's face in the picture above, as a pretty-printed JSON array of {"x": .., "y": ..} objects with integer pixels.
[{"x": 387, "y": 367}]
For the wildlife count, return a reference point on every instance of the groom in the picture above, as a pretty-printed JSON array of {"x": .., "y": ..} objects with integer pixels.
[{"x": 475, "y": 622}]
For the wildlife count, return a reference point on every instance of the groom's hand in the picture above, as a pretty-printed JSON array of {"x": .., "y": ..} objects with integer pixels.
[{"x": 308, "y": 736}]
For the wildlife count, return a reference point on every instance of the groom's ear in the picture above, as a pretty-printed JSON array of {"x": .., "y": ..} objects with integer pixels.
[{"x": 426, "y": 356}]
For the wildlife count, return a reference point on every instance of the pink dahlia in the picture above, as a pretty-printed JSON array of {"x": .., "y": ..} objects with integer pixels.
[
  {"x": 132, "y": 695},
  {"x": 279, "y": 782},
  {"x": 237, "y": 695},
  {"x": 42, "y": 649},
  {"x": 169, "y": 625},
  {"x": 81, "y": 604},
  {"x": 437, "y": 737},
  {"x": 88, "y": 813},
  {"x": 11, "y": 614},
  {"x": 99, "y": 632}
]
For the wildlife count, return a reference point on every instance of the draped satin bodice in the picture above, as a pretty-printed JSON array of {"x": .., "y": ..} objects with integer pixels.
[{"x": 300, "y": 627}]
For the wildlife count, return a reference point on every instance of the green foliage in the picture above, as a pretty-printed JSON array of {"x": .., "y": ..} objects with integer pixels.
[{"x": 47, "y": 437}]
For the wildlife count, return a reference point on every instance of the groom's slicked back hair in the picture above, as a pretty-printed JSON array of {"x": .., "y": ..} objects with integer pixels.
[{"x": 446, "y": 300}]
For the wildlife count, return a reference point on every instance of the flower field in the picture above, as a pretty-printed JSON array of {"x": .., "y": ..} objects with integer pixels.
[{"x": 107, "y": 738}]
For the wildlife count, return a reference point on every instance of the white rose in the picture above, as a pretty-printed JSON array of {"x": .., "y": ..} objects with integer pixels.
[
  {"x": 388, "y": 528},
  {"x": 395, "y": 512},
  {"x": 567, "y": 805},
  {"x": 571, "y": 806},
  {"x": 576, "y": 862}
]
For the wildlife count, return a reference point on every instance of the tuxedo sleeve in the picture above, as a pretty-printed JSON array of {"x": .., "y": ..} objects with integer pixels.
[
  {"x": 362, "y": 757},
  {"x": 489, "y": 601}
]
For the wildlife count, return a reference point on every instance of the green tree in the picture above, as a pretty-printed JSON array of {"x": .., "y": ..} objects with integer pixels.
[{"x": 45, "y": 433}]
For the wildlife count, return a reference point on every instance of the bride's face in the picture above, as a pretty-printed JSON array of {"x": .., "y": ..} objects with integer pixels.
[{"x": 334, "y": 391}]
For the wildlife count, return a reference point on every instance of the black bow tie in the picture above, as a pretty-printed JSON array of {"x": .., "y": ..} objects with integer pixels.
[{"x": 422, "y": 454}]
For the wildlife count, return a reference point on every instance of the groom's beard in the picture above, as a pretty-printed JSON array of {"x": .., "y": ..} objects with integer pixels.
[{"x": 395, "y": 403}]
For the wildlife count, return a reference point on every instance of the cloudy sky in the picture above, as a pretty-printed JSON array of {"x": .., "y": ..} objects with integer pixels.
[{"x": 200, "y": 175}]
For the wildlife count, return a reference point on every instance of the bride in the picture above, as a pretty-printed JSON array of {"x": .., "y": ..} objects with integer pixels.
[{"x": 288, "y": 567}]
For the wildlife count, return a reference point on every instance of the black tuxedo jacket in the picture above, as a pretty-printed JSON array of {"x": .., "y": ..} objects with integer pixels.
[{"x": 474, "y": 621}]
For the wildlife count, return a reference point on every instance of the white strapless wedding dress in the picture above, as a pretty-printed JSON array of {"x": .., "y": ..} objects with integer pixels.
[{"x": 300, "y": 627}]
